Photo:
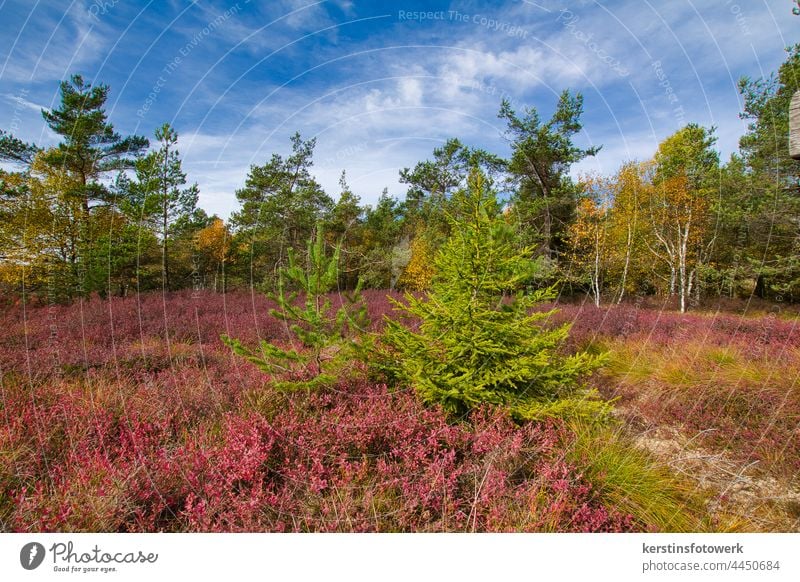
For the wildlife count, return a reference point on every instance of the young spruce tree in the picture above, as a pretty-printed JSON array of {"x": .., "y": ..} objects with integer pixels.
[
  {"x": 328, "y": 340},
  {"x": 479, "y": 340}
]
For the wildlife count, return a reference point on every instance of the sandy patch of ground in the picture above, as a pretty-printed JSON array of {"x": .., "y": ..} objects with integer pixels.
[{"x": 736, "y": 490}]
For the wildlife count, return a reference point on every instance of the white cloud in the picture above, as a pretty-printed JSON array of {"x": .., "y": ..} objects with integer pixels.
[
  {"x": 19, "y": 101},
  {"x": 390, "y": 99},
  {"x": 53, "y": 44}
]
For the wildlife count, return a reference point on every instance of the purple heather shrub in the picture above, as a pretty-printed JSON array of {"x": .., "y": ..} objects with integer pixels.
[{"x": 130, "y": 415}]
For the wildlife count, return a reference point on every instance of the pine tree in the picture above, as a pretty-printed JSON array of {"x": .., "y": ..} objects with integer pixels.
[
  {"x": 542, "y": 154},
  {"x": 158, "y": 197},
  {"x": 479, "y": 340},
  {"x": 381, "y": 264},
  {"x": 89, "y": 149},
  {"x": 344, "y": 226},
  {"x": 281, "y": 203},
  {"x": 328, "y": 340}
]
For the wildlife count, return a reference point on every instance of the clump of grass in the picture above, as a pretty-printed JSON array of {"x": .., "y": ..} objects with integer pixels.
[
  {"x": 699, "y": 364},
  {"x": 630, "y": 480},
  {"x": 752, "y": 404},
  {"x": 721, "y": 357},
  {"x": 628, "y": 364}
]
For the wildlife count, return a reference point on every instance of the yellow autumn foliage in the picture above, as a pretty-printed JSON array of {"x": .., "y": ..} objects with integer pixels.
[{"x": 419, "y": 271}]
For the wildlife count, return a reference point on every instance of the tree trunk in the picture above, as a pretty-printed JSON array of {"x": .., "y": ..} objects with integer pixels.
[
  {"x": 761, "y": 287},
  {"x": 596, "y": 281},
  {"x": 165, "y": 251},
  {"x": 682, "y": 283},
  {"x": 85, "y": 238},
  {"x": 165, "y": 217},
  {"x": 627, "y": 263},
  {"x": 696, "y": 279},
  {"x": 547, "y": 231},
  {"x": 672, "y": 279}
]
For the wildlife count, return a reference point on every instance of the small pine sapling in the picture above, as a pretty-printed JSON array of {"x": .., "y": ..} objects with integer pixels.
[
  {"x": 479, "y": 340},
  {"x": 328, "y": 340}
]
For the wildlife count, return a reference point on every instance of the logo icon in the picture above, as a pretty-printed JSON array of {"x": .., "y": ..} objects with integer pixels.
[{"x": 31, "y": 555}]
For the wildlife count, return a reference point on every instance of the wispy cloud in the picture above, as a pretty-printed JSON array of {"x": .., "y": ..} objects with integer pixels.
[
  {"x": 51, "y": 42},
  {"x": 19, "y": 101},
  {"x": 378, "y": 91}
]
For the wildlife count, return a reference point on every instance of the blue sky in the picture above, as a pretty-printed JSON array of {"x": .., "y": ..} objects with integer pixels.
[{"x": 380, "y": 84}]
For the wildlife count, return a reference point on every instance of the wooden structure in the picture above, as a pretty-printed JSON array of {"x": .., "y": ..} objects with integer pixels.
[{"x": 794, "y": 126}]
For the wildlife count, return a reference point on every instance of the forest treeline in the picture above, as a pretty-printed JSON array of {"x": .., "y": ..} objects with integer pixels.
[{"x": 111, "y": 214}]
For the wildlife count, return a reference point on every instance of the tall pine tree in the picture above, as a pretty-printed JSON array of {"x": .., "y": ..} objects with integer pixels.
[
  {"x": 542, "y": 154},
  {"x": 158, "y": 197},
  {"x": 281, "y": 204},
  {"x": 88, "y": 151}
]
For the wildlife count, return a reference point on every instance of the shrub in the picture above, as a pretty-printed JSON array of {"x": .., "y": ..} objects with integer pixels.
[{"x": 478, "y": 340}]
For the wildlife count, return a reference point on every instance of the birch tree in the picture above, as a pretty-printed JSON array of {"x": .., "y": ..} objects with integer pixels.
[{"x": 680, "y": 204}]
